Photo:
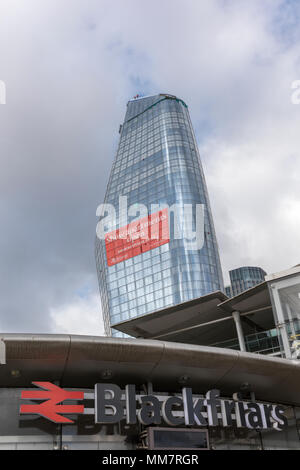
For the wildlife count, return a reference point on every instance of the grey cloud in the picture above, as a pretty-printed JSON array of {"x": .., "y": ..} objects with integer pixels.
[{"x": 71, "y": 66}]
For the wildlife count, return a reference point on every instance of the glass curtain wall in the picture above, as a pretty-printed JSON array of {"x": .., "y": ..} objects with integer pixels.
[
  {"x": 285, "y": 295},
  {"x": 157, "y": 162}
]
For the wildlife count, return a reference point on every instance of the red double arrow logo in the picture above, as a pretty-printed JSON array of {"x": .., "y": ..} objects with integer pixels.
[{"x": 50, "y": 408}]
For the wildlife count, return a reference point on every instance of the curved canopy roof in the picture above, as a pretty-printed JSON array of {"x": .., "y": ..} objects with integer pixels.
[{"x": 82, "y": 361}]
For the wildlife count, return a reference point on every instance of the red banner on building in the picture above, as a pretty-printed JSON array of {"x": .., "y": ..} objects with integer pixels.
[{"x": 137, "y": 237}]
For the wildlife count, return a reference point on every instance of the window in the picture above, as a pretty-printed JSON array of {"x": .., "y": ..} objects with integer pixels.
[{"x": 171, "y": 438}]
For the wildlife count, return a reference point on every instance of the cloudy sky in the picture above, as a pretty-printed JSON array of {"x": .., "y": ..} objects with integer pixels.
[{"x": 70, "y": 67}]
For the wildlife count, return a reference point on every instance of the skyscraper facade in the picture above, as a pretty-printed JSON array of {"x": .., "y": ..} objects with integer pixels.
[
  {"x": 244, "y": 278},
  {"x": 157, "y": 162}
]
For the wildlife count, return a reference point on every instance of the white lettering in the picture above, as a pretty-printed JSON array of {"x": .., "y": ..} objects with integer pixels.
[
  {"x": 295, "y": 99},
  {"x": 2, "y": 92}
]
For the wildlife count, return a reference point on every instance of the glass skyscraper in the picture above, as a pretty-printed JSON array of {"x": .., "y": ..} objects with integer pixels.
[
  {"x": 244, "y": 278},
  {"x": 157, "y": 162}
]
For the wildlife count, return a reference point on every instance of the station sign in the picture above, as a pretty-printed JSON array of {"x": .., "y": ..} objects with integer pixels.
[{"x": 112, "y": 405}]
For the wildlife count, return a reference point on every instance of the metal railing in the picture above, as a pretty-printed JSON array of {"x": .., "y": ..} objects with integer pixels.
[{"x": 265, "y": 342}]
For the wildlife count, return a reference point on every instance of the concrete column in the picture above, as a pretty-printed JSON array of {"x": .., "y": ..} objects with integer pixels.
[{"x": 239, "y": 330}]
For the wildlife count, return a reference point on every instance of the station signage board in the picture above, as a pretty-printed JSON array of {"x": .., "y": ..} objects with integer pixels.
[{"x": 112, "y": 405}]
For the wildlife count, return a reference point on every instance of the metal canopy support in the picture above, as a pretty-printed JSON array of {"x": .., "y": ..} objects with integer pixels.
[
  {"x": 281, "y": 323},
  {"x": 2, "y": 352},
  {"x": 239, "y": 330}
]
